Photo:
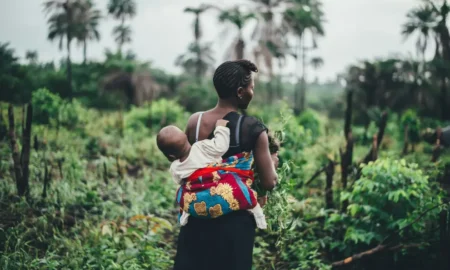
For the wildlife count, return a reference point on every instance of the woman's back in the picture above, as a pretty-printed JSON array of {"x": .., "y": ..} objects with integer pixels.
[{"x": 244, "y": 130}]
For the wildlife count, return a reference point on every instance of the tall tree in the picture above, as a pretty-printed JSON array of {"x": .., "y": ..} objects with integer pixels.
[
  {"x": 197, "y": 48},
  {"x": 431, "y": 18},
  {"x": 122, "y": 10},
  {"x": 420, "y": 20},
  {"x": 303, "y": 17},
  {"x": 62, "y": 24},
  {"x": 32, "y": 57},
  {"x": 238, "y": 19},
  {"x": 191, "y": 62},
  {"x": 122, "y": 34},
  {"x": 266, "y": 32},
  {"x": 88, "y": 22}
]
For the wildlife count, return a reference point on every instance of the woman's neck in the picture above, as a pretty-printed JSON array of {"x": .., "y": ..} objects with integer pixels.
[{"x": 224, "y": 105}]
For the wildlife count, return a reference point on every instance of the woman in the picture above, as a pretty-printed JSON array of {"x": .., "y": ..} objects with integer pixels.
[{"x": 227, "y": 242}]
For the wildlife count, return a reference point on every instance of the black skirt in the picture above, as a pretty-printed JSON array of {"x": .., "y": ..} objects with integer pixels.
[{"x": 224, "y": 243}]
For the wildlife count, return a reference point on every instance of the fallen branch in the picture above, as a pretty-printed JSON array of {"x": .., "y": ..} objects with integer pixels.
[
  {"x": 318, "y": 172},
  {"x": 373, "y": 251}
]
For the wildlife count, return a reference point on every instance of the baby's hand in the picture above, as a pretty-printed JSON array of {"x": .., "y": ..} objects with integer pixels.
[{"x": 221, "y": 123}]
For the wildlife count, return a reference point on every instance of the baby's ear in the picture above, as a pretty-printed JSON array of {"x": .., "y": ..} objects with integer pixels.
[{"x": 171, "y": 158}]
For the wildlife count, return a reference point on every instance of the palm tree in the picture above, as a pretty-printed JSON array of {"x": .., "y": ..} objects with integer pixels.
[
  {"x": 88, "y": 22},
  {"x": 421, "y": 20},
  {"x": 122, "y": 35},
  {"x": 432, "y": 18},
  {"x": 237, "y": 18},
  {"x": 32, "y": 57},
  {"x": 305, "y": 16},
  {"x": 197, "y": 35},
  {"x": 63, "y": 25},
  {"x": 316, "y": 62},
  {"x": 121, "y": 10},
  {"x": 270, "y": 42},
  {"x": 194, "y": 65}
]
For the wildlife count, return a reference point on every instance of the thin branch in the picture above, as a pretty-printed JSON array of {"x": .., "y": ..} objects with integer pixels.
[{"x": 373, "y": 251}]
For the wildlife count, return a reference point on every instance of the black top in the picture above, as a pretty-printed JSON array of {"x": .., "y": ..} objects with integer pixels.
[{"x": 249, "y": 130}]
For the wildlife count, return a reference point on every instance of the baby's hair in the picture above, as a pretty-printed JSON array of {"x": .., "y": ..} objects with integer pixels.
[{"x": 274, "y": 144}]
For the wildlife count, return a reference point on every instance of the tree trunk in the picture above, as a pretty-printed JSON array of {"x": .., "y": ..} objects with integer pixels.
[
  {"x": 26, "y": 149},
  {"x": 84, "y": 52},
  {"x": 444, "y": 108},
  {"x": 69, "y": 68},
  {"x": 198, "y": 68},
  {"x": 240, "y": 49},
  {"x": 15, "y": 152},
  {"x": 328, "y": 189},
  {"x": 303, "y": 85}
]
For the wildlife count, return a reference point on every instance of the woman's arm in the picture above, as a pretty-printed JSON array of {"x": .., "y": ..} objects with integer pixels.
[{"x": 264, "y": 164}]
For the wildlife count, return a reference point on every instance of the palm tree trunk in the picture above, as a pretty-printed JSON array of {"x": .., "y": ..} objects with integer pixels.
[
  {"x": 198, "y": 68},
  {"x": 444, "y": 108},
  {"x": 69, "y": 67},
  {"x": 84, "y": 51},
  {"x": 303, "y": 85},
  {"x": 240, "y": 48},
  {"x": 297, "y": 86}
]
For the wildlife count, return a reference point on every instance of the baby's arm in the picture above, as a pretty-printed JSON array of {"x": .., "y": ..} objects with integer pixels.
[{"x": 218, "y": 146}]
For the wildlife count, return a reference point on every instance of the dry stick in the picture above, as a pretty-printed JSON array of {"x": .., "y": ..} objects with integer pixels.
[
  {"x": 406, "y": 143},
  {"x": 46, "y": 180},
  {"x": 437, "y": 147},
  {"x": 119, "y": 169},
  {"x": 105, "y": 174},
  {"x": 381, "y": 129},
  {"x": 346, "y": 162},
  {"x": 372, "y": 251},
  {"x": 36, "y": 143},
  {"x": 347, "y": 156},
  {"x": 318, "y": 172},
  {"x": 26, "y": 148},
  {"x": 15, "y": 151},
  {"x": 60, "y": 162},
  {"x": 328, "y": 189}
]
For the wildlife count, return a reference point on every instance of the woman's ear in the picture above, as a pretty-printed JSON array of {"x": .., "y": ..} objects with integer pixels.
[{"x": 240, "y": 92}]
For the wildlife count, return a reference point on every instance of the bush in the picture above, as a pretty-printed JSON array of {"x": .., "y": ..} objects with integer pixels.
[
  {"x": 309, "y": 120},
  {"x": 72, "y": 114},
  {"x": 45, "y": 106},
  {"x": 196, "y": 98},
  {"x": 410, "y": 119},
  {"x": 389, "y": 195},
  {"x": 155, "y": 115}
]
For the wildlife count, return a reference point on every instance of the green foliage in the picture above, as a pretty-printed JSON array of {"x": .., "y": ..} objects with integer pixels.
[
  {"x": 72, "y": 114},
  {"x": 196, "y": 97},
  {"x": 411, "y": 120},
  {"x": 389, "y": 195},
  {"x": 45, "y": 106},
  {"x": 155, "y": 115},
  {"x": 309, "y": 120}
]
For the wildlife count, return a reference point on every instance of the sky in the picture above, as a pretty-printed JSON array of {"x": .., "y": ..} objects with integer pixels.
[{"x": 355, "y": 30}]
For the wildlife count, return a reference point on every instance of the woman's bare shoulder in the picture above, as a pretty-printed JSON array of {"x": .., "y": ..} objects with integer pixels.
[{"x": 192, "y": 121}]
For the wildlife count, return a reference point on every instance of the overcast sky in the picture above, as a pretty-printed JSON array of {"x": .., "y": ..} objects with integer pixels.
[{"x": 355, "y": 30}]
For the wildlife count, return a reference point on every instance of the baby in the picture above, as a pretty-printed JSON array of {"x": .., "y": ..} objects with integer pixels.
[{"x": 186, "y": 159}]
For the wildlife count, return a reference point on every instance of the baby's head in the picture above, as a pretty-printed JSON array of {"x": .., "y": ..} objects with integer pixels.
[{"x": 173, "y": 142}]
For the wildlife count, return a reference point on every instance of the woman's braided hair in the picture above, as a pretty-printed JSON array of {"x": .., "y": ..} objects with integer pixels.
[{"x": 231, "y": 75}]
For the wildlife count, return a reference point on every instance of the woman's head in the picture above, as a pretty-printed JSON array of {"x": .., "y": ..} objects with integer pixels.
[{"x": 233, "y": 81}]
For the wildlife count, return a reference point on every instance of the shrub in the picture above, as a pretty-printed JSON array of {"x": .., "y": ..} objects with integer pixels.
[
  {"x": 155, "y": 115},
  {"x": 45, "y": 106},
  {"x": 71, "y": 114},
  {"x": 389, "y": 195},
  {"x": 309, "y": 120},
  {"x": 196, "y": 98},
  {"x": 410, "y": 119}
]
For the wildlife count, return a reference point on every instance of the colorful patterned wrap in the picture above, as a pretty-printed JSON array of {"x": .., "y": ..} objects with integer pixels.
[{"x": 219, "y": 188}]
